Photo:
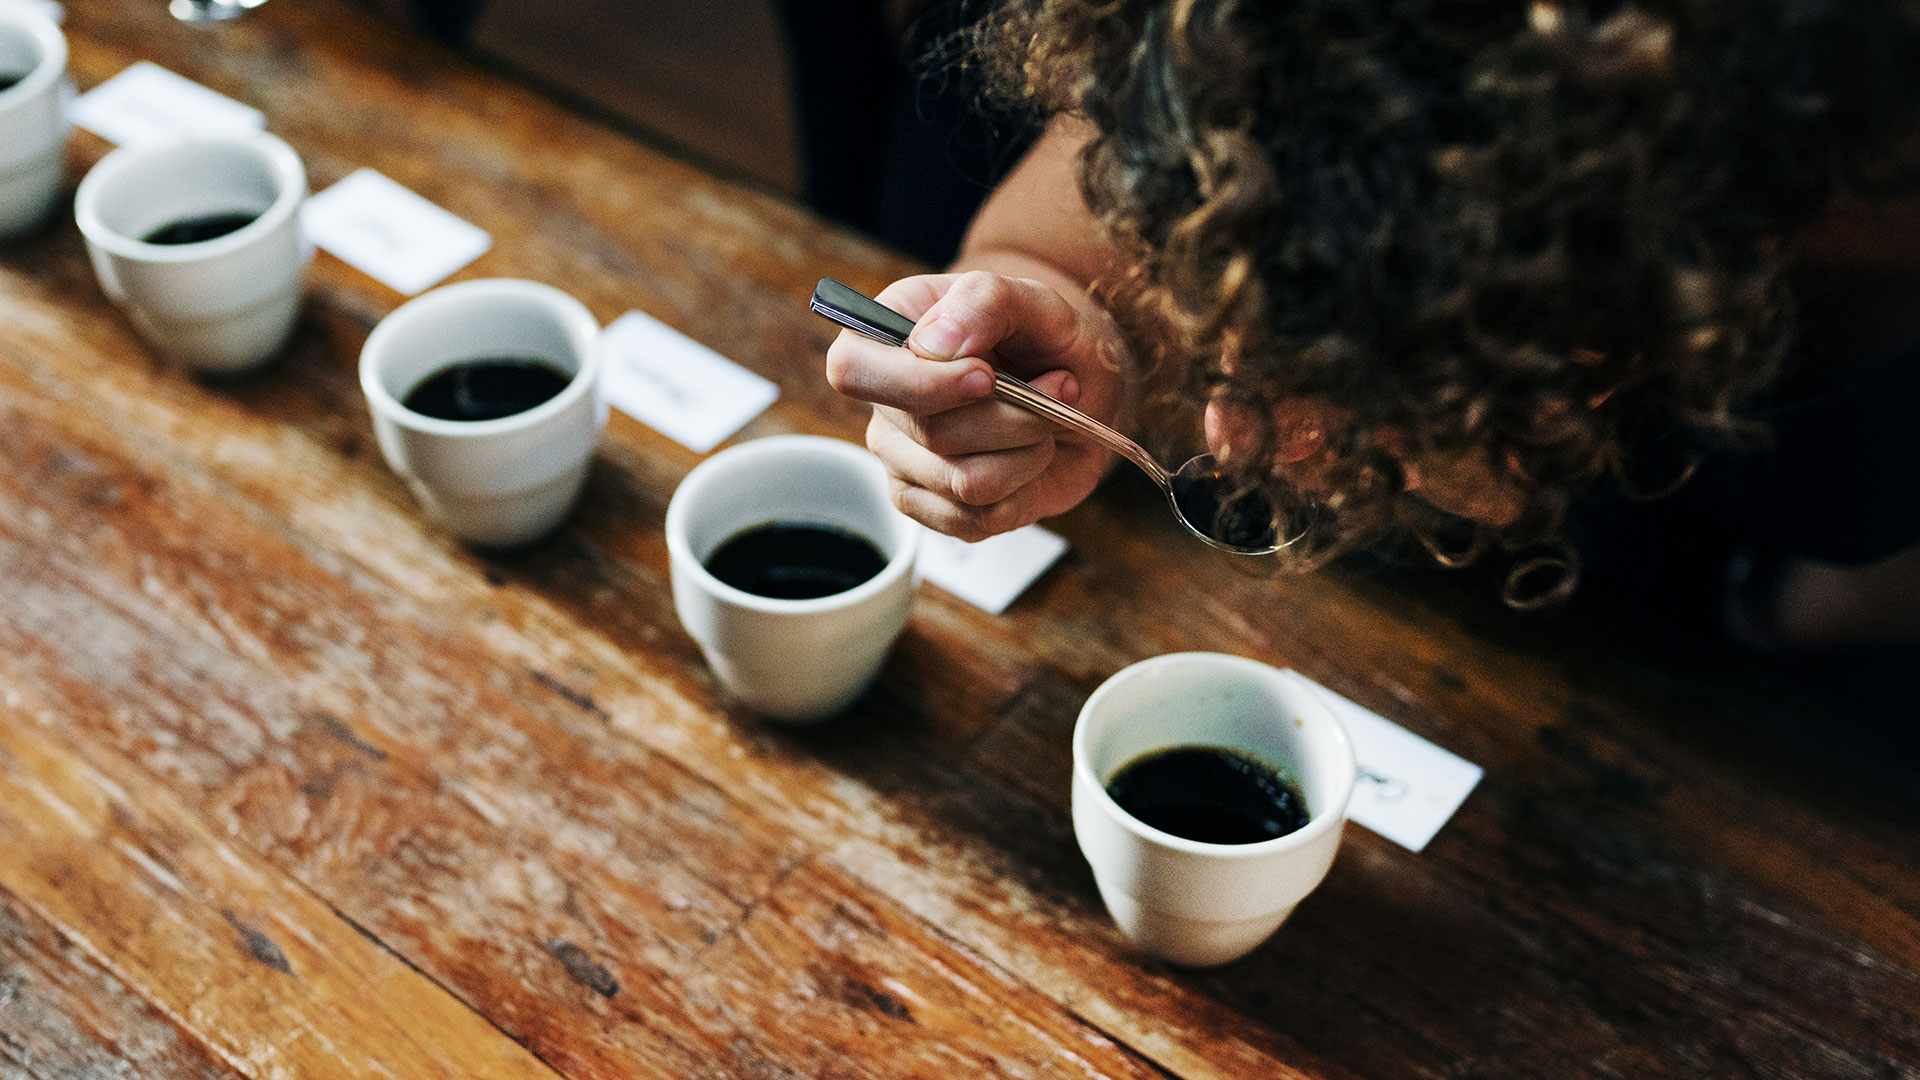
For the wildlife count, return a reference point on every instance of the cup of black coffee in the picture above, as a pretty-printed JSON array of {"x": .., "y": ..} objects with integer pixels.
[
  {"x": 792, "y": 570},
  {"x": 198, "y": 240},
  {"x": 485, "y": 399},
  {"x": 1209, "y": 793}
]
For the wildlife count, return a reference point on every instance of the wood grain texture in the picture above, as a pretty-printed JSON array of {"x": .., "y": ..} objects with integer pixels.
[
  {"x": 272, "y": 980},
  {"x": 514, "y": 784},
  {"x": 64, "y": 1016}
]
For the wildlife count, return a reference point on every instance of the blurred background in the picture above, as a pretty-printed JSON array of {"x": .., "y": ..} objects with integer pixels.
[{"x": 859, "y": 108}]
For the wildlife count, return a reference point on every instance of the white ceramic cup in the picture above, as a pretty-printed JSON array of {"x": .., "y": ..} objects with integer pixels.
[
  {"x": 493, "y": 483},
  {"x": 219, "y": 305},
  {"x": 33, "y": 117},
  {"x": 1193, "y": 903},
  {"x": 793, "y": 660}
]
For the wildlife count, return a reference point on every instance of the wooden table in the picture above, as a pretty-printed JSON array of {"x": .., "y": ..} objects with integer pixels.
[{"x": 293, "y": 786}]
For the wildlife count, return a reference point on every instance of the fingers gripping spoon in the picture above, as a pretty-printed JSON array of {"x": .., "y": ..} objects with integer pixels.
[{"x": 1240, "y": 521}]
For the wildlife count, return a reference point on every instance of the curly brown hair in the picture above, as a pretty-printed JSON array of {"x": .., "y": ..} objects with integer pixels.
[{"x": 1502, "y": 229}]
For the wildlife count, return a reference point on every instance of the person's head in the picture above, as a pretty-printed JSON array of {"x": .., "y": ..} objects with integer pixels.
[{"x": 1494, "y": 232}]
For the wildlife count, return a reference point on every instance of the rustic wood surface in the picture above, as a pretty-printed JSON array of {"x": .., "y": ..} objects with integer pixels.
[{"x": 291, "y": 785}]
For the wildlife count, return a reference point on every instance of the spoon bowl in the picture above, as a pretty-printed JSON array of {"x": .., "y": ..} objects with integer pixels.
[
  {"x": 1232, "y": 518},
  {"x": 1240, "y": 520}
]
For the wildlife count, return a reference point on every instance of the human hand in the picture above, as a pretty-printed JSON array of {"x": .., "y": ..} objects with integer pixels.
[{"x": 963, "y": 462}]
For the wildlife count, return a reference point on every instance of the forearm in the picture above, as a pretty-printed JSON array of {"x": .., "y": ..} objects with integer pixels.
[
  {"x": 1036, "y": 225},
  {"x": 1014, "y": 262}
]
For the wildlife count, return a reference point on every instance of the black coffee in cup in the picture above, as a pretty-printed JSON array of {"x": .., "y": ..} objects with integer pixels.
[
  {"x": 486, "y": 388},
  {"x": 192, "y": 230},
  {"x": 1211, "y": 794},
  {"x": 7, "y": 82},
  {"x": 792, "y": 560}
]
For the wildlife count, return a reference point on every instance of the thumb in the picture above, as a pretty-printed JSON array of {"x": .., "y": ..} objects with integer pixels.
[
  {"x": 943, "y": 337},
  {"x": 984, "y": 314}
]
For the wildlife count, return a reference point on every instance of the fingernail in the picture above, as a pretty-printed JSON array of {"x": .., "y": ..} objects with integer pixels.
[
  {"x": 978, "y": 382},
  {"x": 1069, "y": 391},
  {"x": 939, "y": 339}
]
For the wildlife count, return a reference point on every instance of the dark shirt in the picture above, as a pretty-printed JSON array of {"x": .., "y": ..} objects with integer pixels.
[{"x": 1838, "y": 480}]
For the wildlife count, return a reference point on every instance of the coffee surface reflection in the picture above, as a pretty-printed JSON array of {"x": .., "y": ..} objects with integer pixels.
[
  {"x": 193, "y": 230},
  {"x": 486, "y": 389},
  {"x": 1211, "y": 794},
  {"x": 790, "y": 560}
]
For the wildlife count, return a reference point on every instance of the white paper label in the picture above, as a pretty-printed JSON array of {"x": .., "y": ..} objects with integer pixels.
[
  {"x": 989, "y": 574},
  {"x": 675, "y": 385},
  {"x": 390, "y": 234},
  {"x": 1408, "y": 787},
  {"x": 147, "y": 102}
]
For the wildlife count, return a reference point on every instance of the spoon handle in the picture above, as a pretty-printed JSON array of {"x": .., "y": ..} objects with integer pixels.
[
  {"x": 1017, "y": 391},
  {"x": 864, "y": 315}
]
